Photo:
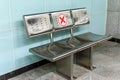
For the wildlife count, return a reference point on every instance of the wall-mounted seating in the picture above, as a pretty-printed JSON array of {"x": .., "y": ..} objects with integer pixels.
[{"x": 66, "y": 52}]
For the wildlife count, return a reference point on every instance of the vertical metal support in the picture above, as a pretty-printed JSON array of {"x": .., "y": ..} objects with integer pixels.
[
  {"x": 65, "y": 67},
  {"x": 51, "y": 43},
  {"x": 71, "y": 32},
  {"x": 91, "y": 58},
  {"x": 51, "y": 38},
  {"x": 71, "y": 38},
  {"x": 85, "y": 58}
]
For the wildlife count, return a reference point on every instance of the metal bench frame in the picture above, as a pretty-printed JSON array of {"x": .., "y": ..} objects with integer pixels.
[{"x": 78, "y": 54}]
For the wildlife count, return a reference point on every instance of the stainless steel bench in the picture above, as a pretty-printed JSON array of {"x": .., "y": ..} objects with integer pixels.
[{"x": 66, "y": 52}]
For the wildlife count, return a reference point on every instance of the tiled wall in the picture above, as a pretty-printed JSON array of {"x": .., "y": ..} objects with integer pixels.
[
  {"x": 98, "y": 16},
  {"x": 14, "y": 43},
  {"x": 113, "y": 18}
]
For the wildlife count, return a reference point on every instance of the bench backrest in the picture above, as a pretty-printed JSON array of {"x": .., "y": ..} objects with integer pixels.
[
  {"x": 80, "y": 16},
  {"x": 43, "y": 23},
  {"x": 61, "y": 19},
  {"x": 37, "y": 23}
]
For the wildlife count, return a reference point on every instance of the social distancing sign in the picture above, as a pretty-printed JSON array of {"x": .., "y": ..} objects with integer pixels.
[{"x": 62, "y": 20}]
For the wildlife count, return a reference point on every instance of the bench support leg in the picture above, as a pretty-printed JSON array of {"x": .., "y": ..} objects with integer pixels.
[
  {"x": 84, "y": 58},
  {"x": 65, "y": 67}
]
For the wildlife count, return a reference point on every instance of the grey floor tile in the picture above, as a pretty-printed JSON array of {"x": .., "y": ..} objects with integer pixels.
[
  {"x": 101, "y": 60},
  {"x": 109, "y": 49},
  {"x": 80, "y": 71},
  {"x": 108, "y": 73},
  {"x": 52, "y": 76},
  {"x": 91, "y": 76},
  {"x": 36, "y": 74}
]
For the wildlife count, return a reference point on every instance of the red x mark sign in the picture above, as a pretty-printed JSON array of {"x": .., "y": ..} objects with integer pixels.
[{"x": 62, "y": 20}]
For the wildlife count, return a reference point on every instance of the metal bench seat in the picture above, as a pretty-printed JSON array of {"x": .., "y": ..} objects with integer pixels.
[{"x": 63, "y": 51}]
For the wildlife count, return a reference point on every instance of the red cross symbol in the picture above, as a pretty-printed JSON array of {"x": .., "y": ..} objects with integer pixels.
[{"x": 62, "y": 20}]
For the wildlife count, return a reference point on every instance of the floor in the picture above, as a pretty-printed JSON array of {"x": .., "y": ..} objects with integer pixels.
[{"x": 106, "y": 59}]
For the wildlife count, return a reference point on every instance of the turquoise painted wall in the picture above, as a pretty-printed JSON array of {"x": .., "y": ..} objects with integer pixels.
[{"x": 14, "y": 43}]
